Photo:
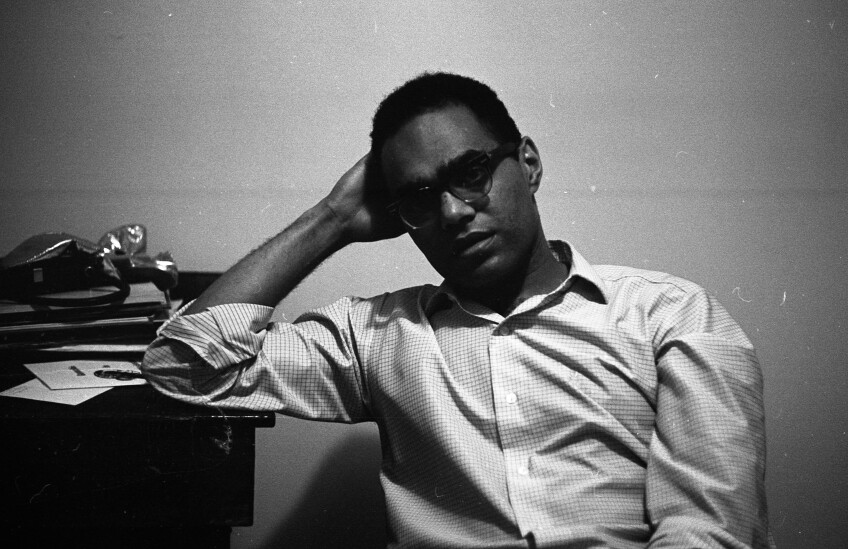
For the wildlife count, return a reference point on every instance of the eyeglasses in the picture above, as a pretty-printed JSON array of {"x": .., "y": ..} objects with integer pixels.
[{"x": 469, "y": 179}]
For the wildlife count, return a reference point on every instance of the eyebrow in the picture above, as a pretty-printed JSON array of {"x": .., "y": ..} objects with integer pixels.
[{"x": 441, "y": 171}]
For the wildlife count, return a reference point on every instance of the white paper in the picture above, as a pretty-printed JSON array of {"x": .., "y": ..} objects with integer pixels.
[
  {"x": 36, "y": 390},
  {"x": 80, "y": 374}
]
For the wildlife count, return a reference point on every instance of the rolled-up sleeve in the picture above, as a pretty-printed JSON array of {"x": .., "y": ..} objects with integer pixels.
[
  {"x": 232, "y": 356},
  {"x": 706, "y": 470}
]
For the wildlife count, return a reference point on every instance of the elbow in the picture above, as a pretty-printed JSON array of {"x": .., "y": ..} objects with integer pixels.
[{"x": 175, "y": 370}]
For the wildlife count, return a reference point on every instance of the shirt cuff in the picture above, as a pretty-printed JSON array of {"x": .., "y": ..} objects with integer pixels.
[{"x": 222, "y": 335}]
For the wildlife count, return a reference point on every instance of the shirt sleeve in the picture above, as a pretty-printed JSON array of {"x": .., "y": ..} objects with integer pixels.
[
  {"x": 706, "y": 469},
  {"x": 231, "y": 356}
]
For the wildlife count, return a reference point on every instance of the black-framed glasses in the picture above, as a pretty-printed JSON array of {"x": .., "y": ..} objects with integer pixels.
[{"x": 469, "y": 179}]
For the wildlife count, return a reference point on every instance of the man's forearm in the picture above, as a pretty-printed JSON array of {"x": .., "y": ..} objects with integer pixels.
[
  {"x": 270, "y": 272},
  {"x": 352, "y": 212}
]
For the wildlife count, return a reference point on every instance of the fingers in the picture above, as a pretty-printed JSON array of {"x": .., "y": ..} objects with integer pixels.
[{"x": 359, "y": 204}]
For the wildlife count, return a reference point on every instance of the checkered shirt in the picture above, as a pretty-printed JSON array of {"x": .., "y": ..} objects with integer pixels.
[{"x": 624, "y": 409}]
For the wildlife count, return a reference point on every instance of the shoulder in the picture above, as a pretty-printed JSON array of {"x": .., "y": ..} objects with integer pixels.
[
  {"x": 403, "y": 303},
  {"x": 619, "y": 279},
  {"x": 369, "y": 319},
  {"x": 355, "y": 311},
  {"x": 389, "y": 323},
  {"x": 666, "y": 301},
  {"x": 673, "y": 306}
]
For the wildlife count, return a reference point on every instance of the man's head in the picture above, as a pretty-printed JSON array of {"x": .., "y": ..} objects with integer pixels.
[
  {"x": 434, "y": 91},
  {"x": 424, "y": 134}
]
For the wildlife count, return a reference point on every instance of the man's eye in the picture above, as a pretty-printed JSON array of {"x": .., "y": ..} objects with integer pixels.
[
  {"x": 423, "y": 198},
  {"x": 474, "y": 176}
]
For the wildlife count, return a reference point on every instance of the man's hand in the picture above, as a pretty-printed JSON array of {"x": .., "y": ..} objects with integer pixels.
[{"x": 359, "y": 203}]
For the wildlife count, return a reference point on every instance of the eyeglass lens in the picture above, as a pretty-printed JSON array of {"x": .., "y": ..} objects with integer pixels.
[{"x": 471, "y": 182}]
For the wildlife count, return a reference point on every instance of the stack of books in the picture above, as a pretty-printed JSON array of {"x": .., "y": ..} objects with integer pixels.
[{"x": 132, "y": 322}]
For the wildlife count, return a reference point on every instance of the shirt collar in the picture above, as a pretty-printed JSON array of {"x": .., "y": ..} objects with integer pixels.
[
  {"x": 564, "y": 252},
  {"x": 578, "y": 267}
]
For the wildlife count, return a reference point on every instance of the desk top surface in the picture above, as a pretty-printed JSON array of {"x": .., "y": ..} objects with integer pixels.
[{"x": 120, "y": 404}]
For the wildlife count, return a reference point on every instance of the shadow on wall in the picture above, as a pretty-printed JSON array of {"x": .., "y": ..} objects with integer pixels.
[{"x": 343, "y": 507}]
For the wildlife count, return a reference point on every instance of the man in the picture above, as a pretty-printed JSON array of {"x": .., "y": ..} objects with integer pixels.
[{"x": 531, "y": 400}]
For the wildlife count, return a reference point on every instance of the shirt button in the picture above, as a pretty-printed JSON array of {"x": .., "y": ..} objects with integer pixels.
[
  {"x": 523, "y": 471},
  {"x": 512, "y": 398},
  {"x": 504, "y": 330}
]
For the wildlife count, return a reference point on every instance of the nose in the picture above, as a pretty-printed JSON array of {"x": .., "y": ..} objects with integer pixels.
[{"x": 454, "y": 211}]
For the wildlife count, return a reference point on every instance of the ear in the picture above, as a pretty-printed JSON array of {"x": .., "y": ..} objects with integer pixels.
[{"x": 530, "y": 162}]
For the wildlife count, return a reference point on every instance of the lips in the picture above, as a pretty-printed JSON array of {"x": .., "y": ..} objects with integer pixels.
[{"x": 470, "y": 243}]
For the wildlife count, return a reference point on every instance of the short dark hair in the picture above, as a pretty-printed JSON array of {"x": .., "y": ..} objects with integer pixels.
[{"x": 432, "y": 91}]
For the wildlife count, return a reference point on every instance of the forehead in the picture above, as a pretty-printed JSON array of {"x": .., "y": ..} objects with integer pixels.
[{"x": 430, "y": 141}]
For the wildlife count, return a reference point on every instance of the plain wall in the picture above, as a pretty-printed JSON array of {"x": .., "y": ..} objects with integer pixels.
[{"x": 704, "y": 139}]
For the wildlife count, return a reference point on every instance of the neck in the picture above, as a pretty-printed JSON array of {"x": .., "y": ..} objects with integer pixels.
[{"x": 541, "y": 274}]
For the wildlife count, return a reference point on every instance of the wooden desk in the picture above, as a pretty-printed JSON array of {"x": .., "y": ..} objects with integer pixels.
[{"x": 128, "y": 468}]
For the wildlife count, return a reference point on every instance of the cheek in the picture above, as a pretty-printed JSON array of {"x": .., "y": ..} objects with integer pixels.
[
  {"x": 514, "y": 205},
  {"x": 427, "y": 242}
]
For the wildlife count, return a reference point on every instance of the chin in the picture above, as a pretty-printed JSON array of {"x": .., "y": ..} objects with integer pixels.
[{"x": 487, "y": 275}]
